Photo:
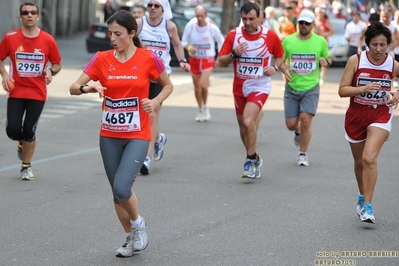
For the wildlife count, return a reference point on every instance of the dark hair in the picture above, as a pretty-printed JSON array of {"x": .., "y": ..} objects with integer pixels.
[
  {"x": 261, "y": 11},
  {"x": 27, "y": 4},
  {"x": 126, "y": 20},
  {"x": 294, "y": 2},
  {"x": 375, "y": 29},
  {"x": 248, "y": 6},
  {"x": 374, "y": 17}
]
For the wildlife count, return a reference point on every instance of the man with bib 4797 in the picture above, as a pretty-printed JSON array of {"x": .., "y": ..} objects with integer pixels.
[
  {"x": 251, "y": 48},
  {"x": 304, "y": 54}
]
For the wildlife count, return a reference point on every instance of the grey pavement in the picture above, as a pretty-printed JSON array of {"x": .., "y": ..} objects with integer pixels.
[{"x": 199, "y": 211}]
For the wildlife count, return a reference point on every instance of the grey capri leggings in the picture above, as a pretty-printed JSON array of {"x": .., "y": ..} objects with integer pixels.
[{"x": 122, "y": 159}]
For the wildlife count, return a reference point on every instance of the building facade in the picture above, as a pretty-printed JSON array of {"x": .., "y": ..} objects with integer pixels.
[{"x": 57, "y": 17}]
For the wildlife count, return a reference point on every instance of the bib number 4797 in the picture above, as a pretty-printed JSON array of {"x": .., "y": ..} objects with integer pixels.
[{"x": 248, "y": 70}]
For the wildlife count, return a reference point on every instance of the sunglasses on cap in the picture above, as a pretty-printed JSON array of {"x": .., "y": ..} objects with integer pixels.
[
  {"x": 153, "y": 5},
  {"x": 304, "y": 23},
  {"x": 26, "y": 12}
]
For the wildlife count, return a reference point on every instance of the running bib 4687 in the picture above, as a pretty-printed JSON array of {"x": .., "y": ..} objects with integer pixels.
[
  {"x": 121, "y": 115},
  {"x": 303, "y": 64}
]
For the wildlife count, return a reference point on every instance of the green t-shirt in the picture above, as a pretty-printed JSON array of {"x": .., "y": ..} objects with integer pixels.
[{"x": 302, "y": 58}]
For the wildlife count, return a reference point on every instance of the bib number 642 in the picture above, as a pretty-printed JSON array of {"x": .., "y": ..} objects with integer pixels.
[{"x": 376, "y": 95}]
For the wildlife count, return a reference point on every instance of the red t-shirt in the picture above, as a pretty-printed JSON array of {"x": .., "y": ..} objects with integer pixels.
[
  {"x": 29, "y": 57},
  {"x": 127, "y": 84},
  {"x": 263, "y": 45}
]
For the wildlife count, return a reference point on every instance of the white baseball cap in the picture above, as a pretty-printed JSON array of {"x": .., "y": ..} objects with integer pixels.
[{"x": 306, "y": 15}]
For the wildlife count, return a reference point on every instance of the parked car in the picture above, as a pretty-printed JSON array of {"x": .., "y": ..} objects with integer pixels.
[
  {"x": 338, "y": 45},
  {"x": 98, "y": 38}
]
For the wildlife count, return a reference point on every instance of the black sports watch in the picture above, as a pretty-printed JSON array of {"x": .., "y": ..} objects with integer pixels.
[
  {"x": 275, "y": 67},
  {"x": 234, "y": 54},
  {"x": 81, "y": 88},
  {"x": 53, "y": 73}
]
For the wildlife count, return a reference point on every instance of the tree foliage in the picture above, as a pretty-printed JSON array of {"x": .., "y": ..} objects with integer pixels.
[{"x": 229, "y": 16}]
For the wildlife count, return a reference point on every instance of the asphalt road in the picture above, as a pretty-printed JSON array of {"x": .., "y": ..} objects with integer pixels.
[{"x": 199, "y": 210}]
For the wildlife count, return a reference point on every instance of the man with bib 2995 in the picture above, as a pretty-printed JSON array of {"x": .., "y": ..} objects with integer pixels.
[
  {"x": 251, "y": 48},
  {"x": 304, "y": 54}
]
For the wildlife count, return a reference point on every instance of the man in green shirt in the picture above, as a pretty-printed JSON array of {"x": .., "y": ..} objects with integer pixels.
[{"x": 304, "y": 54}]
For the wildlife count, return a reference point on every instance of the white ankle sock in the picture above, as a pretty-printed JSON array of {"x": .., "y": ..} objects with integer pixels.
[{"x": 136, "y": 223}]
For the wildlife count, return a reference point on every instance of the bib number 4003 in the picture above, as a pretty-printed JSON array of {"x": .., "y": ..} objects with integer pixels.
[{"x": 302, "y": 65}]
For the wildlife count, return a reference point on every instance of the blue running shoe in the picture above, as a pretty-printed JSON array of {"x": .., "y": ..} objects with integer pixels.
[
  {"x": 158, "y": 147},
  {"x": 249, "y": 169},
  {"x": 360, "y": 203},
  {"x": 367, "y": 215}
]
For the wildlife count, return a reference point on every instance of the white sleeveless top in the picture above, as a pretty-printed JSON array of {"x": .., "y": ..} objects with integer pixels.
[
  {"x": 202, "y": 39},
  {"x": 366, "y": 73},
  {"x": 157, "y": 39}
]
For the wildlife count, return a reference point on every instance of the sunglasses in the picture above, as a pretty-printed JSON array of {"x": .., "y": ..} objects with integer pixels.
[
  {"x": 26, "y": 12},
  {"x": 153, "y": 5},
  {"x": 304, "y": 23}
]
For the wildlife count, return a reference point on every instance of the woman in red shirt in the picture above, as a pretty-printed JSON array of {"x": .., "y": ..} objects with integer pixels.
[
  {"x": 367, "y": 81},
  {"x": 122, "y": 78}
]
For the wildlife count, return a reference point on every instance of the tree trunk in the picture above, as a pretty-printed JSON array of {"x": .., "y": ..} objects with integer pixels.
[{"x": 229, "y": 16}]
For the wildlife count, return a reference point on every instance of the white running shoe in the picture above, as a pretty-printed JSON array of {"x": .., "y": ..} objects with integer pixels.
[
  {"x": 249, "y": 169},
  {"x": 126, "y": 250},
  {"x": 199, "y": 117},
  {"x": 27, "y": 174},
  {"x": 303, "y": 160},
  {"x": 367, "y": 214},
  {"x": 206, "y": 115},
  {"x": 258, "y": 165},
  {"x": 145, "y": 168},
  {"x": 140, "y": 238}
]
